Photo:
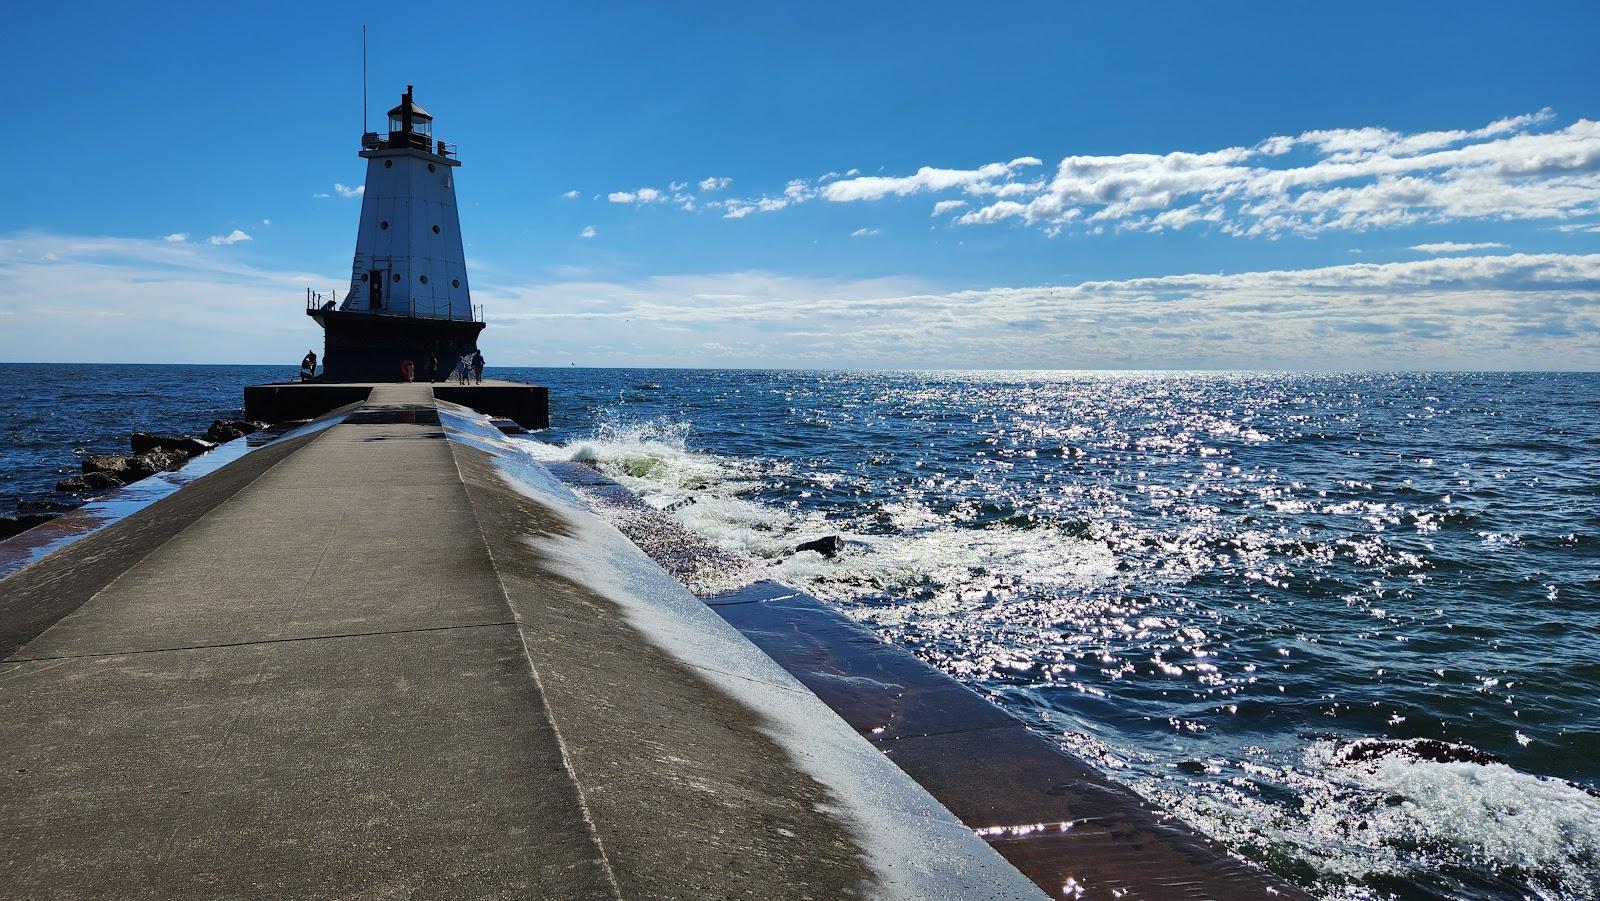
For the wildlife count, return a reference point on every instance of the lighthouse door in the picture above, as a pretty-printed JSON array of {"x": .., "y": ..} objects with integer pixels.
[{"x": 375, "y": 281}]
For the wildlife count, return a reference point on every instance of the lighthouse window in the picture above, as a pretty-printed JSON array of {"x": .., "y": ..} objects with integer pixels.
[
  {"x": 384, "y": 225},
  {"x": 424, "y": 279},
  {"x": 436, "y": 229},
  {"x": 455, "y": 283},
  {"x": 397, "y": 276},
  {"x": 389, "y": 164},
  {"x": 363, "y": 276},
  {"x": 430, "y": 167}
]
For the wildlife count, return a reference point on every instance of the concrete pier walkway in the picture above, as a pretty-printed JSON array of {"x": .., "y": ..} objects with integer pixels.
[{"x": 343, "y": 666}]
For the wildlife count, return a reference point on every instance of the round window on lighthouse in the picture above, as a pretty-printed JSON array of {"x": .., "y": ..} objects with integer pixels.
[
  {"x": 455, "y": 283},
  {"x": 436, "y": 229},
  {"x": 363, "y": 276},
  {"x": 397, "y": 277},
  {"x": 430, "y": 167},
  {"x": 388, "y": 164},
  {"x": 384, "y": 225},
  {"x": 424, "y": 279}
]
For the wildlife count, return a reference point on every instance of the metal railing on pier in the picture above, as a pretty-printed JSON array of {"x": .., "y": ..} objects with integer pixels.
[
  {"x": 373, "y": 141},
  {"x": 456, "y": 312},
  {"x": 461, "y": 312}
]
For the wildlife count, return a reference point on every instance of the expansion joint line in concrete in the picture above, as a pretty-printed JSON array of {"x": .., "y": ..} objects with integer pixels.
[
  {"x": 258, "y": 641},
  {"x": 538, "y": 683}
]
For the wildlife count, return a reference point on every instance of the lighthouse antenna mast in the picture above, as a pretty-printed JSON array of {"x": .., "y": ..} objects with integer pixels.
[{"x": 363, "y": 79}]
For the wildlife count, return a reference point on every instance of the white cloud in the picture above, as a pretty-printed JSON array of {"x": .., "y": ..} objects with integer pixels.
[
  {"x": 176, "y": 238},
  {"x": 234, "y": 237},
  {"x": 982, "y": 180},
  {"x": 945, "y": 206},
  {"x": 1183, "y": 217},
  {"x": 641, "y": 196},
  {"x": 1509, "y": 311},
  {"x": 588, "y": 232},
  {"x": 714, "y": 183},
  {"x": 266, "y": 222},
  {"x": 1342, "y": 145},
  {"x": 1453, "y": 247},
  {"x": 320, "y": 195},
  {"x": 127, "y": 297},
  {"x": 1277, "y": 145},
  {"x": 994, "y": 212},
  {"x": 347, "y": 191},
  {"x": 738, "y": 209},
  {"x": 863, "y": 233},
  {"x": 570, "y": 195}
]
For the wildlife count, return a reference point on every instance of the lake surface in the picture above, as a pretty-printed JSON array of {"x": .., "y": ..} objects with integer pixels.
[{"x": 1210, "y": 585}]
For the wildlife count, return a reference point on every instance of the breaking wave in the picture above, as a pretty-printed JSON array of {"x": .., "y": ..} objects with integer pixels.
[
  {"x": 1363, "y": 827},
  {"x": 902, "y": 548}
]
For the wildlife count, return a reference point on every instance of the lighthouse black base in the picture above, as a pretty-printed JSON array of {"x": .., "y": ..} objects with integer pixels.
[{"x": 369, "y": 347}]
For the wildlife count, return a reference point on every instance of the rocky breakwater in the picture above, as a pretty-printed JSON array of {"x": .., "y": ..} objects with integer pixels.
[{"x": 104, "y": 473}]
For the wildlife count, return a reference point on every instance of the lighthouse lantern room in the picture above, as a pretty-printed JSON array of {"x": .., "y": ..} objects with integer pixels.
[{"x": 408, "y": 296}]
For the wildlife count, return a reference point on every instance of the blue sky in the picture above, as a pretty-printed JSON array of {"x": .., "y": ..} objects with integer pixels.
[{"x": 1055, "y": 185}]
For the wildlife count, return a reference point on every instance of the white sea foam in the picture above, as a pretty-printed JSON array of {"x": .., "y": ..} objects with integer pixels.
[
  {"x": 956, "y": 566},
  {"x": 1399, "y": 815}
]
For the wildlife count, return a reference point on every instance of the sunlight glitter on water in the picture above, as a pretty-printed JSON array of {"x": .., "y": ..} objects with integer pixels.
[{"x": 1198, "y": 582}]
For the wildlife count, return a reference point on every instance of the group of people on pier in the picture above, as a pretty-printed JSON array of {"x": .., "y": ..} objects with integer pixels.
[{"x": 468, "y": 369}]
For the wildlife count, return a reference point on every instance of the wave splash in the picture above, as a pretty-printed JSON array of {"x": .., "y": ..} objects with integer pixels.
[
  {"x": 1365, "y": 824},
  {"x": 933, "y": 567}
]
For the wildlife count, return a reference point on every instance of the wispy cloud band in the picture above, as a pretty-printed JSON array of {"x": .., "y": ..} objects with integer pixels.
[{"x": 104, "y": 298}]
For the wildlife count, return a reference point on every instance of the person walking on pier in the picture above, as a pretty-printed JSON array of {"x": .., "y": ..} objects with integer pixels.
[
  {"x": 463, "y": 366},
  {"x": 407, "y": 370},
  {"x": 308, "y": 366},
  {"x": 477, "y": 365},
  {"x": 433, "y": 367}
]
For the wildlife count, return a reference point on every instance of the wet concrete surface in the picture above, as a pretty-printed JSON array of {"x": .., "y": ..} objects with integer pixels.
[{"x": 704, "y": 569}]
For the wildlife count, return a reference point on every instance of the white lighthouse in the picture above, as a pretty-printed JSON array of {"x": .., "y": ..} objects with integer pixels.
[{"x": 409, "y": 298}]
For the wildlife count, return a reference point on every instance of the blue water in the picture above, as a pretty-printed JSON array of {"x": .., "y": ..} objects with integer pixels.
[
  {"x": 52, "y": 415},
  {"x": 1205, "y": 584}
]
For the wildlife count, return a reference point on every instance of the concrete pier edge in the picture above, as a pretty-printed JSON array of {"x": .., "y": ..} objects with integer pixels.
[{"x": 1054, "y": 817}]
